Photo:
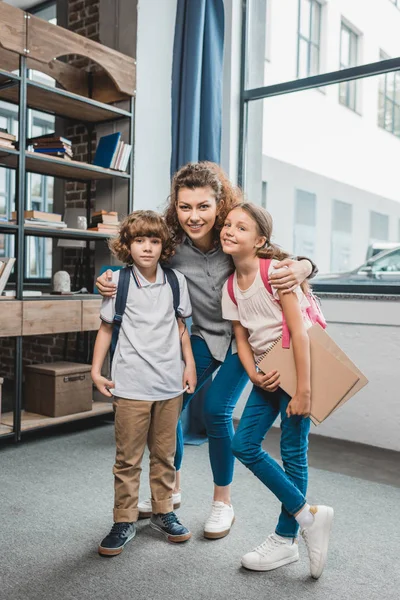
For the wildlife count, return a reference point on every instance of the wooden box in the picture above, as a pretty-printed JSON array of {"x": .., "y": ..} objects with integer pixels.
[{"x": 58, "y": 389}]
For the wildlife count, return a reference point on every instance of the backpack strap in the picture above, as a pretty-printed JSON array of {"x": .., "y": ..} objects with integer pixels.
[
  {"x": 265, "y": 264},
  {"x": 230, "y": 289},
  {"x": 120, "y": 304},
  {"x": 176, "y": 292}
]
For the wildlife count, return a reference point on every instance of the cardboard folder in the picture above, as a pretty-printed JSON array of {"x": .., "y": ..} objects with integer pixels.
[{"x": 334, "y": 378}]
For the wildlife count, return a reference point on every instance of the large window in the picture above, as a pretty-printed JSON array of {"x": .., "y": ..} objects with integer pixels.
[
  {"x": 389, "y": 101},
  {"x": 378, "y": 227},
  {"x": 304, "y": 224},
  {"x": 348, "y": 58},
  {"x": 342, "y": 229},
  {"x": 309, "y": 37},
  {"x": 333, "y": 184}
]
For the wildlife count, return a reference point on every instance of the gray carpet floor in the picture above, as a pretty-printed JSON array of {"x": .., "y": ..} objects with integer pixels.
[{"x": 56, "y": 504}]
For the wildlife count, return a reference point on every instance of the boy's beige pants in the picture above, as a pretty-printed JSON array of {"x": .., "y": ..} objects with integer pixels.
[{"x": 138, "y": 422}]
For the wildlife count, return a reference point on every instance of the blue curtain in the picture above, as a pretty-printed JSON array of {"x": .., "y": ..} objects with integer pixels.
[
  {"x": 197, "y": 82},
  {"x": 197, "y": 117}
]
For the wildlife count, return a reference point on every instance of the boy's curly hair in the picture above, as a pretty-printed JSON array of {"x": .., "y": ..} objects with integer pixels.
[
  {"x": 141, "y": 223},
  {"x": 200, "y": 175}
]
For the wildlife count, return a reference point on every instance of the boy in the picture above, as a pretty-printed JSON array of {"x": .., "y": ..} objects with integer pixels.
[{"x": 147, "y": 379}]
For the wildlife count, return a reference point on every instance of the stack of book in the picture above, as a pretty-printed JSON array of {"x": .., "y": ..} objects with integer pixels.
[
  {"x": 37, "y": 218},
  {"x": 53, "y": 146},
  {"x": 111, "y": 153},
  {"x": 6, "y": 139},
  {"x": 105, "y": 222}
]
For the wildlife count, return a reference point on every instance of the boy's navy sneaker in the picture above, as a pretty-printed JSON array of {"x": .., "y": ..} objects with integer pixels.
[
  {"x": 169, "y": 525},
  {"x": 119, "y": 536}
]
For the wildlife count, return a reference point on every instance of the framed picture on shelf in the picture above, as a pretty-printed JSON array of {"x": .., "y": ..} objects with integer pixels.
[{"x": 6, "y": 265}]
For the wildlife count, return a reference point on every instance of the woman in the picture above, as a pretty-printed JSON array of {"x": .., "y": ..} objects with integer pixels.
[{"x": 201, "y": 197}]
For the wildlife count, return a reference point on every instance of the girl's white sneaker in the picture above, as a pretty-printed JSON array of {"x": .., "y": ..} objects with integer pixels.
[
  {"x": 145, "y": 510},
  {"x": 220, "y": 521},
  {"x": 271, "y": 554},
  {"x": 316, "y": 537}
]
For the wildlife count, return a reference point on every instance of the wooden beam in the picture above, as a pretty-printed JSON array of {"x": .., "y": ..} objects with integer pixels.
[
  {"x": 47, "y": 42},
  {"x": 12, "y": 28}
]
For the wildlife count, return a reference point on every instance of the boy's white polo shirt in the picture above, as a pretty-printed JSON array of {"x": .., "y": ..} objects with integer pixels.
[{"x": 147, "y": 363}]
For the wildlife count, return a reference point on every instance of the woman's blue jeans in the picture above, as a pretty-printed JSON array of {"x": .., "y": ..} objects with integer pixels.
[
  {"x": 221, "y": 399},
  {"x": 290, "y": 483}
]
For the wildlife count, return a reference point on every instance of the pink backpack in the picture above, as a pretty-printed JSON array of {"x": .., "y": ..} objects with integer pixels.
[{"x": 314, "y": 312}]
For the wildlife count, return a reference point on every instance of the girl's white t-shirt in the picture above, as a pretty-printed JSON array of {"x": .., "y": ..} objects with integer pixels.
[{"x": 258, "y": 311}]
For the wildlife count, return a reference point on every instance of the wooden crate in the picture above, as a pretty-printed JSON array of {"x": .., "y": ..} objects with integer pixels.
[{"x": 58, "y": 389}]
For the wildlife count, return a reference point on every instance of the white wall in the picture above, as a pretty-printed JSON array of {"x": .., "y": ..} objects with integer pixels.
[{"x": 155, "y": 38}]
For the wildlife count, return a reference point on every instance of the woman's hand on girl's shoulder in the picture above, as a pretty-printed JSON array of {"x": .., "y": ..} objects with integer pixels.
[
  {"x": 300, "y": 404},
  {"x": 289, "y": 274},
  {"x": 268, "y": 382}
]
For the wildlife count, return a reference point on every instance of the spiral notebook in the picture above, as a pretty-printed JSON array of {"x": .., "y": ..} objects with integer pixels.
[{"x": 334, "y": 378}]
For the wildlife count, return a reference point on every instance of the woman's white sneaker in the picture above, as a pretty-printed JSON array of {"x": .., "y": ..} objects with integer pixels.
[
  {"x": 316, "y": 537},
  {"x": 220, "y": 521},
  {"x": 145, "y": 510},
  {"x": 271, "y": 554}
]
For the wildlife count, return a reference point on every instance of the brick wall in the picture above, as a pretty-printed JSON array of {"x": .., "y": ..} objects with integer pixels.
[{"x": 83, "y": 18}]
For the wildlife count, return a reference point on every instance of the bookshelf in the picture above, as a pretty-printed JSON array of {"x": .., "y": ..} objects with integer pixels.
[{"x": 105, "y": 95}]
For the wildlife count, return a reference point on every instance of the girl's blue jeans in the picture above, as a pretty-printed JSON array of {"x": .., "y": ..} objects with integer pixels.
[
  {"x": 221, "y": 399},
  {"x": 289, "y": 484}
]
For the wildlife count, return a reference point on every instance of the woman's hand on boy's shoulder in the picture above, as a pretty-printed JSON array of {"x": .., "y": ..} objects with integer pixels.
[
  {"x": 105, "y": 285},
  {"x": 289, "y": 274},
  {"x": 103, "y": 384},
  {"x": 268, "y": 382},
  {"x": 190, "y": 378}
]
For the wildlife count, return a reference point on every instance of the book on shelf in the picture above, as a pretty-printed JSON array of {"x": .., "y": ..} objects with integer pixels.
[
  {"x": 48, "y": 224},
  {"x": 104, "y": 230},
  {"x": 106, "y": 150},
  {"x": 39, "y": 214},
  {"x": 46, "y": 138},
  {"x": 7, "y": 139},
  {"x": 109, "y": 218}
]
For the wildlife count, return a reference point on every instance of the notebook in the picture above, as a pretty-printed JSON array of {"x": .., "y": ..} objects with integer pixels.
[
  {"x": 333, "y": 375},
  {"x": 106, "y": 150}
]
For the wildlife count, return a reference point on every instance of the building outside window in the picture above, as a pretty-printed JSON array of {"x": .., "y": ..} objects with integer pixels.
[
  {"x": 264, "y": 194},
  {"x": 378, "y": 227},
  {"x": 305, "y": 220},
  {"x": 342, "y": 228},
  {"x": 389, "y": 101},
  {"x": 348, "y": 58},
  {"x": 309, "y": 38}
]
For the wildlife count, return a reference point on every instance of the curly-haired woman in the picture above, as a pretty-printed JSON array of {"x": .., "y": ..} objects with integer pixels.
[
  {"x": 147, "y": 378},
  {"x": 201, "y": 197}
]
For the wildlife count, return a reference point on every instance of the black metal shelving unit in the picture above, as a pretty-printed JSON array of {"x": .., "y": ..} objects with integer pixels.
[{"x": 28, "y": 94}]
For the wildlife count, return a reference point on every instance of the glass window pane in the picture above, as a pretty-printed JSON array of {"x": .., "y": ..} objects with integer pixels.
[
  {"x": 2, "y": 181},
  {"x": 379, "y": 227},
  {"x": 353, "y": 49},
  {"x": 305, "y": 16},
  {"x": 344, "y": 47},
  {"x": 314, "y": 60},
  {"x": 396, "y": 121},
  {"x": 316, "y": 22},
  {"x": 36, "y": 185},
  {"x": 389, "y": 115},
  {"x": 381, "y": 110},
  {"x": 303, "y": 59}
]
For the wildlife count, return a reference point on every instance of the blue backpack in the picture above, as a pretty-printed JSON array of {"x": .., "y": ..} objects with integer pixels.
[{"x": 122, "y": 295}]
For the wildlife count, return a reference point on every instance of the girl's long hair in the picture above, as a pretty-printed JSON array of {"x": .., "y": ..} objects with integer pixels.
[
  {"x": 264, "y": 224},
  {"x": 200, "y": 175}
]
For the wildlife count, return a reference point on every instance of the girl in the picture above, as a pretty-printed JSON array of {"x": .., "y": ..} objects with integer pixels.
[
  {"x": 257, "y": 323},
  {"x": 201, "y": 197}
]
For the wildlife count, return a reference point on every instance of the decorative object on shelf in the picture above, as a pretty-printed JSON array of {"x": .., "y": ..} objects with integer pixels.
[
  {"x": 81, "y": 222},
  {"x": 58, "y": 389},
  {"x": 61, "y": 282},
  {"x": 6, "y": 139},
  {"x": 6, "y": 265},
  {"x": 53, "y": 145}
]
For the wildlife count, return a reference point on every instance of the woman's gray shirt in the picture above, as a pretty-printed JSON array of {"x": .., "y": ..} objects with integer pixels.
[{"x": 206, "y": 274}]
